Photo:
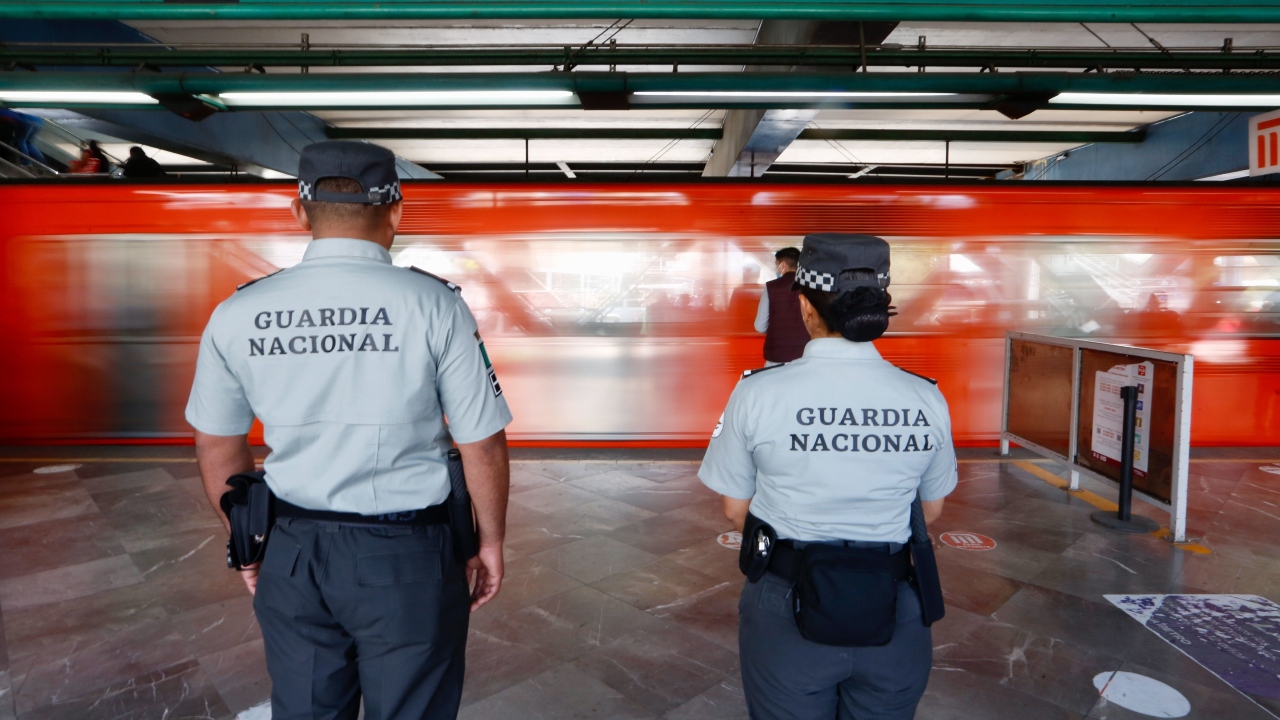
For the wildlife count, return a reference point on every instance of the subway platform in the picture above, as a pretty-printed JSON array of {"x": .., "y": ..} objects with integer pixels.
[{"x": 620, "y": 597}]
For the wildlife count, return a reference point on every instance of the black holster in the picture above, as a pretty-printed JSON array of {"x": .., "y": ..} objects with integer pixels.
[
  {"x": 925, "y": 568},
  {"x": 249, "y": 507},
  {"x": 846, "y": 596},
  {"x": 462, "y": 521},
  {"x": 758, "y": 541}
]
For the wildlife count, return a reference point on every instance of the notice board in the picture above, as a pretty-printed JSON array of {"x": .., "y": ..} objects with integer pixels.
[
  {"x": 1101, "y": 375},
  {"x": 1040, "y": 394}
]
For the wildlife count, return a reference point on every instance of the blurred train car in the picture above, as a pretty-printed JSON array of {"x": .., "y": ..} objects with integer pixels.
[{"x": 622, "y": 313}]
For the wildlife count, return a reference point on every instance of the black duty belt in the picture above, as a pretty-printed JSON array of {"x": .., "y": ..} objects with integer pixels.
[
  {"x": 787, "y": 559},
  {"x": 434, "y": 515}
]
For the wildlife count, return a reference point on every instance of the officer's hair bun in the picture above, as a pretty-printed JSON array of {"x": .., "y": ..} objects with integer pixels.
[{"x": 860, "y": 315}]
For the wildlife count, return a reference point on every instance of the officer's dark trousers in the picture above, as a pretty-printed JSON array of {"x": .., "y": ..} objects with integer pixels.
[
  {"x": 350, "y": 610},
  {"x": 786, "y": 676}
]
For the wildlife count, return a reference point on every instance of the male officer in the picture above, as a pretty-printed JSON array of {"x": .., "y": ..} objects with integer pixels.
[
  {"x": 353, "y": 364},
  {"x": 778, "y": 315}
]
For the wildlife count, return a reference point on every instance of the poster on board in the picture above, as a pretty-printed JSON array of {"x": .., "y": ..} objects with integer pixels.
[{"x": 1108, "y": 414}]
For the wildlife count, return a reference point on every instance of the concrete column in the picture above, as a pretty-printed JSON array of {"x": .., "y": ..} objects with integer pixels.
[{"x": 753, "y": 139}]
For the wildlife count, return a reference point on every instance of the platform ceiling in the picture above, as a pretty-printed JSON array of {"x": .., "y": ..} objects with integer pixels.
[{"x": 664, "y": 153}]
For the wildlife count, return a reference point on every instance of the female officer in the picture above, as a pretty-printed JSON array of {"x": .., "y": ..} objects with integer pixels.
[{"x": 822, "y": 459}]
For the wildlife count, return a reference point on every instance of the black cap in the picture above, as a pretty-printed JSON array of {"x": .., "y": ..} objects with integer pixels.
[
  {"x": 372, "y": 166},
  {"x": 826, "y": 255}
]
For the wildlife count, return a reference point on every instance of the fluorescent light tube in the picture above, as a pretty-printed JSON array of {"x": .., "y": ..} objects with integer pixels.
[
  {"x": 425, "y": 98},
  {"x": 780, "y": 94},
  {"x": 1168, "y": 99},
  {"x": 86, "y": 97}
]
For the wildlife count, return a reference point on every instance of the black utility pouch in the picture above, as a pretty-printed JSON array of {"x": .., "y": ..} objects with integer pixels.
[
  {"x": 847, "y": 597},
  {"x": 248, "y": 506}
]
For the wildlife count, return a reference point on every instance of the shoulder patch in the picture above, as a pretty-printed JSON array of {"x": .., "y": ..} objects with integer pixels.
[
  {"x": 922, "y": 377},
  {"x": 457, "y": 289},
  {"x": 749, "y": 373},
  {"x": 242, "y": 286}
]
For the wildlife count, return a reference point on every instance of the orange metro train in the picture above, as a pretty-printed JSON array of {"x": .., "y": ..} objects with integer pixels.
[{"x": 621, "y": 313}]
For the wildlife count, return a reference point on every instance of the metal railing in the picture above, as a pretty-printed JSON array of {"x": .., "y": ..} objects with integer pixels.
[{"x": 31, "y": 167}]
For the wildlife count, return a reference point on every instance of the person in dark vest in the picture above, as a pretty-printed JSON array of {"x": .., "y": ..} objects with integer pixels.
[{"x": 778, "y": 316}]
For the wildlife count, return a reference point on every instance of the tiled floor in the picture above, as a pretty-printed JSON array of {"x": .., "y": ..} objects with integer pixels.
[{"x": 619, "y": 601}]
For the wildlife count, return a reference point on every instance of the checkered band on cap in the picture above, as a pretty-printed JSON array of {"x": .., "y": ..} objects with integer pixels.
[
  {"x": 385, "y": 195},
  {"x": 816, "y": 280}
]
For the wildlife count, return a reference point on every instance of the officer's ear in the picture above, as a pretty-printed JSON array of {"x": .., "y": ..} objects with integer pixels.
[
  {"x": 393, "y": 215},
  {"x": 300, "y": 214},
  {"x": 807, "y": 310}
]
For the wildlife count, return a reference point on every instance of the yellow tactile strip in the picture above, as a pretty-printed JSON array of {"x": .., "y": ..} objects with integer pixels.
[{"x": 1102, "y": 503}]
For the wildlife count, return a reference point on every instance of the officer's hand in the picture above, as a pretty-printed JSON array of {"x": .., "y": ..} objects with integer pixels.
[
  {"x": 486, "y": 570},
  {"x": 249, "y": 574}
]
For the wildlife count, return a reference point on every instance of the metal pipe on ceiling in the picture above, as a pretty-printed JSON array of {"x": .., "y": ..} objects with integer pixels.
[
  {"x": 1094, "y": 11},
  {"x": 1240, "y": 59}
]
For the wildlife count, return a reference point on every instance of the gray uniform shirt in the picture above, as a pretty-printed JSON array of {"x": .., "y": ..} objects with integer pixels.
[
  {"x": 833, "y": 446},
  {"x": 352, "y": 364}
]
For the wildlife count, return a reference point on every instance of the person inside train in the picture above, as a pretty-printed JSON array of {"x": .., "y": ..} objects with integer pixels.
[{"x": 744, "y": 299}]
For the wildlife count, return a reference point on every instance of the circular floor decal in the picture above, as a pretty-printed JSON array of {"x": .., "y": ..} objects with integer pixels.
[
  {"x": 967, "y": 540},
  {"x": 1141, "y": 694},
  {"x": 731, "y": 539},
  {"x": 1273, "y": 469},
  {"x": 49, "y": 469}
]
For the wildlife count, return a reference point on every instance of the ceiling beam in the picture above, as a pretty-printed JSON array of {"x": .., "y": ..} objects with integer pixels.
[
  {"x": 624, "y": 133},
  {"x": 1240, "y": 59},
  {"x": 653, "y": 90},
  {"x": 1163, "y": 11},
  {"x": 524, "y": 133},
  {"x": 756, "y": 136},
  {"x": 1005, "y": 136},
  {"x": 808, "y": 172}
]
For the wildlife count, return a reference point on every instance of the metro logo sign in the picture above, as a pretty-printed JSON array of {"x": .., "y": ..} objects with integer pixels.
[
  {"x": 1264, "y": 143},
  {"x": 962, "y": 540}
]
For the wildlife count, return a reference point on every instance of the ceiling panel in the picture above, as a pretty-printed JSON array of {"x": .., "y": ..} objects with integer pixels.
[
  {"x": 912, "y": 152},
  {"x": 1092, "y": 35},
  {"x": 676, "y": 118},
  {"x": 544, "y": 151},
  {"x": 960, "y": 119},
  {"x": 427, "y": 32}
]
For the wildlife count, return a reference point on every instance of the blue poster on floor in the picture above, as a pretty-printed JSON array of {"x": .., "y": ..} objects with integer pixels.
[{"x": 1236, "y": 637}]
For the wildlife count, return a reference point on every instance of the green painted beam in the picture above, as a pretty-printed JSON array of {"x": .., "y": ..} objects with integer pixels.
[
  {"x": 953, "y": 89},
  {"x": 891, "y": 56},
  {"x": 529, "y": 133},
  {"x": 1021, "y": 136},
  {"x": 1164, "y": 11}
]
